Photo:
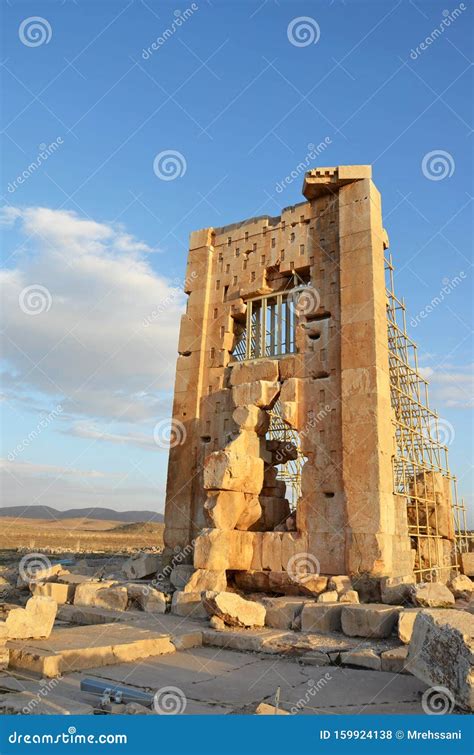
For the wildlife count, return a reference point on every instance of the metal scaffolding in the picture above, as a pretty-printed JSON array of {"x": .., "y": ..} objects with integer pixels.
[
  {"x": 290, "y": 472},
  {"x": 436, "y": 519}
]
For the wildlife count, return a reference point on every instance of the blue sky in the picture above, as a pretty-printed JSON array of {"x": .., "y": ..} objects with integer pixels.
[{"x": 106, "y": 238}]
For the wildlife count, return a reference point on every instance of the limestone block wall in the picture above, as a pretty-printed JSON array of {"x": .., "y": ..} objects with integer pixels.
[{"x": 222, "y": 493}]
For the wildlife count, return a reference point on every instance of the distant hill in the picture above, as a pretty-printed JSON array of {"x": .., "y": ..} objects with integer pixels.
[{"x": 47, "y": 512}]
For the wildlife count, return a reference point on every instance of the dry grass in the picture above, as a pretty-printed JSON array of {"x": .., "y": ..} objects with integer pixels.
[{"x": 78, "y": 535}]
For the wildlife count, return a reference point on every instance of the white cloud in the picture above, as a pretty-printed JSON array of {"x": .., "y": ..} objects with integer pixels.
[
  {"x": 90, "y": 350},
  {"x": 92, "y": 432},
  {"x": 451, "y": 385},
  {"x": 29, "y": 484}
]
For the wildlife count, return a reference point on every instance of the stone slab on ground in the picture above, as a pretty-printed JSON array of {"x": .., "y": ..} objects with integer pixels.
[
  {"x": 395, "y": 660},
  {"x": 73, "y": 648},
  {"x": 364, "y": 658},
  {"x": 441, "y": 652},
  {"x": 220, "y": 682},
  {"x": 28, "y": 703},
  {"x": 369, "y": 620},
  {"x": 35, "y": 620},
  {"x": 432, "y": 595}
]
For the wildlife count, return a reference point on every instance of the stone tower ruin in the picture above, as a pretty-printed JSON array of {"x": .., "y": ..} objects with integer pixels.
[{"x": 304, "y": 441}]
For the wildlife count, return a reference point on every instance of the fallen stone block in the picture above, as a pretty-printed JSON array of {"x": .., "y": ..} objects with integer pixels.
[
  {"x": 396, "y": 590},
  {"x": 364, "y": 658},
  {"x": 369, "y": 620},
  {"x": 462, "y": 587},
  {"x": 341, "y": 584},
  {"x": 61, "y": 593},
  {"x": 351, "y": 596},
  {"x": 432, "y": 595},
  {"x": 320, "y": 617},
  {"x": 395, "y": 660},
  {"x": 142, "y": 565},
  {"x": 180, "y": 575},
  {"x": 188, "y": 604},
  {"x": 101, "y": 595},
  {"x": 467, "y": 564},
  {"x": 316, "y": 658},
  {"x": 217, "y": 623},
  {"x": 147, "y": 598},
  {"x": 281, "y": 612},
  {"x": 328, "y": 597},
  {"x": 441, "y": 652},
  {"x": 39, "y": 575},
  {"x": 204, "y": 580},
  {"x": 406, "y": 622},
  {"x": 35, "y": 621},
  {"x": 234, "y": 610},
  {"x": 135, "y": 709}
]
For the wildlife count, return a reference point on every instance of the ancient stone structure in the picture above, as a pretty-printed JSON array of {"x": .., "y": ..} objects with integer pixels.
[{"x": 297, "y": 416}]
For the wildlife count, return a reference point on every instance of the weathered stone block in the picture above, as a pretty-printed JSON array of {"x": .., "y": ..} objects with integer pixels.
[
  {"x": 432, "y": 595},
  {"x": 467, "y": 563},
  {"x": 395, "y": 660},
  {"x": 147, "y": 598},
  {"x": 188, "y": 604},
  {"x": 441, "y": 652},
  {"x": 61, "y": 593},
  {"x": 35, "y": 621},
  {"x": 406, "y": 622},
  {"x": 328, "y": 597},
  {"x": 251, "y": 418},
  {"x": 234, "y": 610},
  {"x": 281, "y": 612},
  {"x": 205, "y": 580},
  {"x": 462, "y": 587},
  {"x": 364, "y": 658},
  {"x": 371, "y": 620},
  {"x": 320, "y": 617},
  {"x": 262, "y": 393},
  {"x": 101, "y": 595},
  {"x": 396, "y": 590},
  {"x": 249, "y": 372},
  {"x": 142, "y": 565}
]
